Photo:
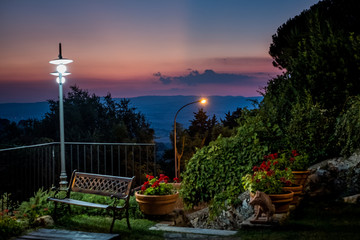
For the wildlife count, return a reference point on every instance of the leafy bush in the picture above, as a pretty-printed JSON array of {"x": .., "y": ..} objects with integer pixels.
[
  {"x": 37, "y": 206},
  {"x": 215, "y": 171},
  {"x": 9, "y": 226},
  {"x": 348, "y": 127},
  {"x": 310, "y": 130}
]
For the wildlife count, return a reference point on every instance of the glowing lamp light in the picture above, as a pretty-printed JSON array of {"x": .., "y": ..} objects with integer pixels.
[
  {"x": 61, "y": 68},
  {"x": 61, "y": 61},
  {"x": 62, "y": 80},
  {"x": 203, "y": 101}
]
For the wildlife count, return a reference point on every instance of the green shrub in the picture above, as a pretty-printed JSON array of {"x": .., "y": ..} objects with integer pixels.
[
  {"x": 215, "y": 172},
  {"x": 37, "y": 206},
  {"x": 9, "y": 226},
  {"x": 348, "y": 127},
  {"x": 310, "y": 130}
]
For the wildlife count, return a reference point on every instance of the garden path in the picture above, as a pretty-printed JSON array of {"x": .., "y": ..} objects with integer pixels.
[{"x": 60, "y": 234}]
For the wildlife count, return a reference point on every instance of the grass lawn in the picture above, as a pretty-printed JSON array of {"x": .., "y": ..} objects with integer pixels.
[{"x": 140, "y": 227}]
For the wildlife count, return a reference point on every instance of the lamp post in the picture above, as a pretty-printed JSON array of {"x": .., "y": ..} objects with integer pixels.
[
  {"x": 60, "y": 73},
  {"x": 177, "y": 165}
]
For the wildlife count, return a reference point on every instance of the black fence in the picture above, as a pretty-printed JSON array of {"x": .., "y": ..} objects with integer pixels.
[{"x": 23, "y": 170}]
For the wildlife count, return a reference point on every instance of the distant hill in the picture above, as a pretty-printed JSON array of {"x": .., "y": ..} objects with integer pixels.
[{"x": 158, "y": 110}]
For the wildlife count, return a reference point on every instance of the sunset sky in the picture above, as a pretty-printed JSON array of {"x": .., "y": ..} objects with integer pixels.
[{"x": 140, "y": 47}]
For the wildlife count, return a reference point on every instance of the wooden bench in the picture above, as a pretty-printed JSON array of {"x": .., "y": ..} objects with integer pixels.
[{"x": 104, "y": 185}]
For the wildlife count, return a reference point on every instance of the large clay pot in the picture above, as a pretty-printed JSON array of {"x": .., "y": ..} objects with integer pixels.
[
  {"x": 297, "y": 189},
  {"x": 300, "y": 177},
  {"x": 156, "y": 204},
  {"x": 282, "y": 201}
]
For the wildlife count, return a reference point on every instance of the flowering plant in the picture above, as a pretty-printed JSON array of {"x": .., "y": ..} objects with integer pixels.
[
  {"x": 268, "y": 177},
  {"x": 292, "y": 159},
  {"x": 157, "y": 186}
]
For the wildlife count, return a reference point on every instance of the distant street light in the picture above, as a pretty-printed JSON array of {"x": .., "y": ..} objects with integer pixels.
[
  {"x": 177, "y": 165},
  {"x": 60, "y": 73}
]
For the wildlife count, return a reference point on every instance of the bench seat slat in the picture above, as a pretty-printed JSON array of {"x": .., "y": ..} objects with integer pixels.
[{"x": 79, "y": 203}]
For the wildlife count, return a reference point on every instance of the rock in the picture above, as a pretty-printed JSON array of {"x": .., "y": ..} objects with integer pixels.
[
  {"x": 229, "y": 219},
  {"x": 352, "y": 199},
  {"x": 44, "y": 221},
  {"x": 337, "y": 176}
]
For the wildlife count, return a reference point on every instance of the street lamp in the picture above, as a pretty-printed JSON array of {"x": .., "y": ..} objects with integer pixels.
[
  {"x": 177, "y": 165},
  {"x": 60, "y": 73}
]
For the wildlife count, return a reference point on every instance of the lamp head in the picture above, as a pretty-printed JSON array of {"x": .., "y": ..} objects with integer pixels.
[{"x": 61, "y": 68}]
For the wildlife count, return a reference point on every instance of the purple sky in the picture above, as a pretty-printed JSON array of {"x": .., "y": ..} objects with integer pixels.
[{"x": 133, "y": 48}]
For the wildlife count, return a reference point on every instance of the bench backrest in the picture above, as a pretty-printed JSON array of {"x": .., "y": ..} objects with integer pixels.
[{"x": 104, "y": 185}]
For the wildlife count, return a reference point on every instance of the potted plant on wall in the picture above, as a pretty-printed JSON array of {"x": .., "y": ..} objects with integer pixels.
[
  {"x": 297, "y": 162},
  {"x": 290, "y": 160},
  {"x": 157, "y": 196},
  {"x": 269, "y": 179}
]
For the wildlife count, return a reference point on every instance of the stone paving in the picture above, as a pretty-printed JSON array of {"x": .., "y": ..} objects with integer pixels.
[
  {"x": 172, "y": 232},
  {"x": 47, "y": 234}
]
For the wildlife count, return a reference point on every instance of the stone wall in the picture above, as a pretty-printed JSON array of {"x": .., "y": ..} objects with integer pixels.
[
  {"x": 229, "y": 219},
  {"x": 337, "y": 177}
]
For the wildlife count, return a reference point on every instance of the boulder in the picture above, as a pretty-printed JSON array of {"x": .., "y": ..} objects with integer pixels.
[
  {"x": 228, "y": 219},
  {"x": 338, "y": 177},
  {"x": 44, "y": 221},
  {"x": 352, "y": 199}
]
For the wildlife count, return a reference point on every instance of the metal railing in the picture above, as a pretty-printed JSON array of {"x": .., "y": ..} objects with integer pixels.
[{"x": 23, "y": 170}]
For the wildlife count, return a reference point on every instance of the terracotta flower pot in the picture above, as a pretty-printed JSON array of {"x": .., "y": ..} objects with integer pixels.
[
  {"x": 297, "y": 189},
  {"x": 300, "y": 177},
  {"x": 156, "y": 204},
  {"x": 282, "y": 201}
]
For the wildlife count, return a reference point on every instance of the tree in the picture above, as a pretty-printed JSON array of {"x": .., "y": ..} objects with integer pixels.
[
  {"x": 319, "y": 51},
  {"x": 87, "y": 118}
]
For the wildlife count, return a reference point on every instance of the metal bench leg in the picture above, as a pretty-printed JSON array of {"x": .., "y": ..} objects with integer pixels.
[
  {"x": 127, "y": 218},
  {"x": 113, "y": 221},
  {"x": 55, "y": 212}
]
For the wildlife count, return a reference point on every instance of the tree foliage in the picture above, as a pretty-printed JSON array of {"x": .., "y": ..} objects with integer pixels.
[
  {"x": 319, "y": 53},
  {"x": 87, "y": 118}
]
